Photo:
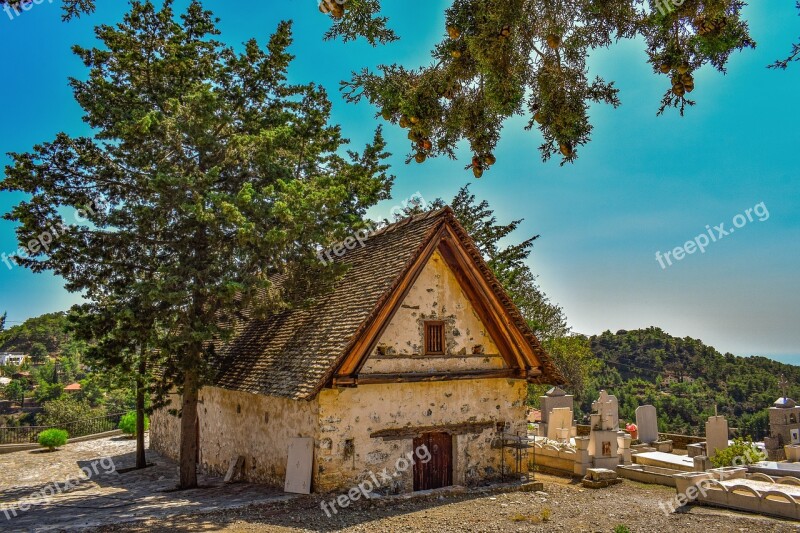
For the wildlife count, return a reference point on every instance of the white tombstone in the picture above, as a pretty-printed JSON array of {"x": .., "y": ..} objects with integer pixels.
[
  {"x": 647, "y": 423},
  {"x": 606, "y": 410},
  {"x": 614, "y": 411},
  {"x": 552, "y": 399},
  {"x": 603, "y": 445},
  {"x": 560, "y": 421},
  {"x": 716, "y": 435}
]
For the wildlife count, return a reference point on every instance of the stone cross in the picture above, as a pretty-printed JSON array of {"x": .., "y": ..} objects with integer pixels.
[
  {"x": 784, "y": 385},
  {"x": 604, "y": 408}
]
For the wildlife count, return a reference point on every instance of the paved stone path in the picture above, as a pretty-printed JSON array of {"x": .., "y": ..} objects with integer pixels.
[{"x": 90, "y": 488}]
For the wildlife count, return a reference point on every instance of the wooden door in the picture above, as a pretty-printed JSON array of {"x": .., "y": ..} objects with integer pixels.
[{"x": 438, "y": 472}]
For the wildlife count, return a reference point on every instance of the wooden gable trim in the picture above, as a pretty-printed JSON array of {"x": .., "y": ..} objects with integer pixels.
[
  {"x": 367, "y": 341},
  {"x": 514, "y": 348},
  {"x": 489, "y": 308}
]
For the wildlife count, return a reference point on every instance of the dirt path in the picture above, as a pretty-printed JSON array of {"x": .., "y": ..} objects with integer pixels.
[{"x": 566, "y": 506}]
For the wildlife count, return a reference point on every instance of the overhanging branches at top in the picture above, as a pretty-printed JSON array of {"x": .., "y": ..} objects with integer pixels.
[{"x": 502, "y": 58}]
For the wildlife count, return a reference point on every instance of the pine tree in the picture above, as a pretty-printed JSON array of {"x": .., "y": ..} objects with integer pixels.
[
  {"x": 208, "y": 175},
  {"x": 503, "y": 58}
]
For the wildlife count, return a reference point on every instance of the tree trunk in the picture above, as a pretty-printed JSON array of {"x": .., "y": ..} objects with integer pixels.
[
  {"x": 189, "y": 430},
  {"x": 141, "y": 459}
]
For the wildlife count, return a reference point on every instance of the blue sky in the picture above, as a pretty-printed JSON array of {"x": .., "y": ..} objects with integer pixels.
[{"x": 645, "y": 184}]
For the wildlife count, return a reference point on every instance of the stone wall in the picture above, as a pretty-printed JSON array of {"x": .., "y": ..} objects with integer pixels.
[
  {"x": 236, "y": 423},
  {"x": 347, "y": 453},
  {"x": 255, "y": 426},
  {"x": 680, "y": 442},
  {"x": 165, "y": 430}
]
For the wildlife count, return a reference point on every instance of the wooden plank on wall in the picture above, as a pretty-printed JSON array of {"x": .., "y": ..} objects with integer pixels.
[{"x": 414, "y": 432}]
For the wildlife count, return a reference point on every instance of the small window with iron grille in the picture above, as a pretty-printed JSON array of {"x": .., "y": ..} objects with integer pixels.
[{"x": 434, "y": 338}]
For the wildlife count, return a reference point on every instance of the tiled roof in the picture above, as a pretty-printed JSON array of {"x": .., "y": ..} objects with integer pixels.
[{"x": 291, "y": 354}]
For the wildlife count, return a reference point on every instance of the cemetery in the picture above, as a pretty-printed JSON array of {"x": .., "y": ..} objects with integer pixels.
[{"x": 610, "y": 450}]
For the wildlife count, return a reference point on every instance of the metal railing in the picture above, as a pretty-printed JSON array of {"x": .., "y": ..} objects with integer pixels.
[{"x": 75, "y": 429}]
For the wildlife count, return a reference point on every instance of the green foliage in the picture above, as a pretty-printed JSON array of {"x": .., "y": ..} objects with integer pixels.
[
  {"x": 128, "y": 423},
  {"x": 207, "y": 176},
  {"x": 622, "y": 528},
  {"x": 52, "y": 438},
  {"x": 91, "y": 390},
  {"x": 66, "y": 409},
  {"x": 15, "y": 390},
  {"x": 637, "y": 366},
  {"x": 574, "y": 358},
  {"x": 38, "y": 353},
  {"x": 120, "y": 400},
  {"x": 47, "y": 332},
  {"x": 504, "y": 58},
  {"x": 46, "y": 392},
  {"x": 741, "y": 452}
]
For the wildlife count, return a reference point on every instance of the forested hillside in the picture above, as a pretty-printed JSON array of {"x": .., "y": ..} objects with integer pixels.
[
  {"x": 39, "y": 337},
  {"x": 685, "y": 380}
]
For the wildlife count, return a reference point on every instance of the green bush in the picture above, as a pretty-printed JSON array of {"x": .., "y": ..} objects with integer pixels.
[
  {"x": 67, "y": 409},
  {"x": 622, "y": 528},
  {"x": 52, "y": 438},
  {"x": 128, "y": 423},
  {"x": 741, "y": 452}
]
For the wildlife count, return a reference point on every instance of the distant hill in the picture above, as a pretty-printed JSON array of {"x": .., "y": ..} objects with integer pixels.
[
  {"x": 46, "y": 332},
  {"x": 684, "y": 379}
]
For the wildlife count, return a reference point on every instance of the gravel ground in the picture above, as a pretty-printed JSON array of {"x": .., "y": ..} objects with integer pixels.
[{"x": 563, "y": 506}]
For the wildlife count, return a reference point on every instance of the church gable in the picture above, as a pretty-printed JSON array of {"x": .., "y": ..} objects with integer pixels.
[{"x": 435, "y": 329}]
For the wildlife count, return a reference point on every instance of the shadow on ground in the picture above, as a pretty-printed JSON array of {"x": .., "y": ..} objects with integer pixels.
[{"x": 102, "y": 495}]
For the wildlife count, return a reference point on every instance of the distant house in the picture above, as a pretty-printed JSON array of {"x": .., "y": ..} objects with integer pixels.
[
  {"x": 12, "y": 358},
  {"x": 417, "y": 345},
  {"x": 73, "y": 388}
]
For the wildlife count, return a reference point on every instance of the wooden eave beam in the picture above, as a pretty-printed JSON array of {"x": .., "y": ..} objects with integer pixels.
[{"x": 416, "y": 377}]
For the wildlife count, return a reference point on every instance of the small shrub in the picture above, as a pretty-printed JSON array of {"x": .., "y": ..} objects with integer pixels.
[
  {"x": 741, "y": 452},
  {"x": 544, "y": 516},
  {"x": 622, "y": 528},
  {"x": 128, "y": 423},
  {"x": 52, "y": 438}
]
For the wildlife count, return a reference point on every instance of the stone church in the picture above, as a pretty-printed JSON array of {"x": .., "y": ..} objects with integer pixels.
[{"x": 416, "y": 344}]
